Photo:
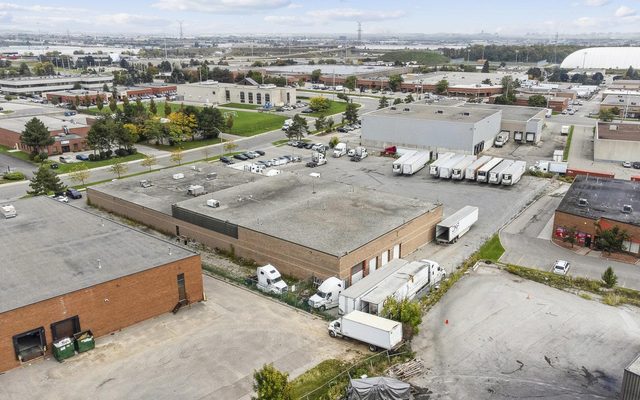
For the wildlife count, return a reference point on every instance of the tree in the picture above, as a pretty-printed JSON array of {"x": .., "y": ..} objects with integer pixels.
[
  {"x": 329, "y": 124},
  {"x": 537, "y": 100},
  {"x": 405, "y": 311},
  {"x": 230, "y": 146},
  {"x": 570, "y": 236},
  {"x": 36, "y": 135},
  {"x": 384, "y": 102},
  {"x": 271, "y": 384},
  {"x": 319, "y": 104},
  {"x": 534, "y": 73},
  {"x": 100, "y": 135},
  {"x": 485, "y": 66},
  {"x": 350, "y": 82},
  {"x": 176, "y": 156},
  {"x": 615, "y": 111},
  {"x": 320, "y": 123},
  {"x": 228, "y": 122},
  {"x": 153, "y": 109},
  {"x": 113, "y": 106},
  {"x": 99, "y": 102},
  {"x": 105, "y": 88},
  {"x": 351, "y": 113},
  {"x": 487, "y": 81},
  {"x": 167, "y": 108},
  {"x": 343, "y": 96},
  {"x": 80, "y": 173},
  {"x": 298, "y": 128},
  {"x": 210, "y": 122},
  {"x": 23, "y": 70},
  {"x": 609, "y": 278},
  {"x": 395, "y": 81},
  {"x": 409, "y": 98},
  {"x": 334, "y": 141},
  {"x": 149, "y": 161},
  {"x": 442, "y": 86},
  {"x": 182, "y": 125},
  {"x": 45, "y": 181},
  {"x": 119, "y": 168},
  {"x": 397, "y": 101},
  {"x": 508, "y": 89},
  {"x": 605, "y": 115},
  {"x": 612, "y": 239},
  {"x": 315, "y": 75}
]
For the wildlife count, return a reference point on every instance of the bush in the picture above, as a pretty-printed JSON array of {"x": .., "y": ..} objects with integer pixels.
[
  {"x": 132, "y": 151},
  {"x": 333, "y": 142},
  {"x": 610, "y": 278},
  {"x": 43, "y": 155},
  {"x": 93, "y": 157},
  {"x": 122, "y": 152},
  {"x": 14, "y": 176},
  {"x": 109, "y": 153}
]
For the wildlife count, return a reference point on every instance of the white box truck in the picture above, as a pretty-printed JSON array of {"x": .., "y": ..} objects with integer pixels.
[
  {"x": 375, "y": 331},
  {"x": 458, "y": 170},
  {"x": 453, "y": 227},
  {"x": 512, "y": 175},
  {"x": 483, "y": 172},
  {"x": 564, "y": 131},
  {"x": 495, "y": 175},
  {"x": 397, "y": 164},
  {"x": 327, "y": 295},
  {"x": 444, "y": 171},
  {"x": 434, "y": 167},
  {"x": 415, "y": 163},
  {"x": 472, "y": 169}
]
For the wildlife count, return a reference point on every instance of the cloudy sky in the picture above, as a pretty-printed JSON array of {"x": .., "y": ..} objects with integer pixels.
[{"x": 328, "y": 16}]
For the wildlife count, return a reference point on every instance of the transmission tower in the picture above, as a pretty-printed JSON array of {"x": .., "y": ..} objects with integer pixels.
[{"x": 181, "y": 35}]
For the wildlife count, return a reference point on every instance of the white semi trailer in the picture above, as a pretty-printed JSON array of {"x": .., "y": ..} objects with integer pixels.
[
  {"x": 453, "y": 227},
  {"x": 458, "y": 171},
  {"x": 415, "y": 163},
  {"x": 434, "y": 167},
  {"x": 397, "y": 164},
  {"x": 483, "y": 172},
  {"x": 472, "y": 170},
  {"x": 512, "y": 175},
  {"x": 446, "y": 169},
  {"x": 495, "y": 175}
]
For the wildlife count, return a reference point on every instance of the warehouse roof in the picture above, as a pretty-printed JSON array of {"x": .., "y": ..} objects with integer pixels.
[
  {"x": 605, "y": 198},
  {"x": 435, "y": 113},
  {"x": 621, "y": 100},
  {"x": 327, "y": 216},
  {"x": 53, "y": 123},
  {"x": 619, "y": 131},
  {"x": 72, "y": 250},
  {"x": 510, "y": 113}
]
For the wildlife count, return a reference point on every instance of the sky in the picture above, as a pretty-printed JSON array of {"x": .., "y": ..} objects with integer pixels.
[{"x": 214, "y": 17}]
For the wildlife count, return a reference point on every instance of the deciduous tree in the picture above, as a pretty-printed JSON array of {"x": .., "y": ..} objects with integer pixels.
[
  {"x": 176, "y": 156},
  {"x": 119, "y": 169},
  {"x": 319, "y": 104},
  {"x": 271, "y": 384},
  {"x": 149, "y": 161},
  {"x": 405, "y": 311},
  {"x": 80, "y": 173}
]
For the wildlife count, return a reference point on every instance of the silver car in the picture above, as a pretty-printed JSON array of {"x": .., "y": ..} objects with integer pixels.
[{"x": 561, "y": 267}]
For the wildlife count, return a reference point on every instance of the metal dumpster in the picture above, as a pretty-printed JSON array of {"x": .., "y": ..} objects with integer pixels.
[
  {"x": 63, "y": 349},
  {"x": 84, "y": 341}
]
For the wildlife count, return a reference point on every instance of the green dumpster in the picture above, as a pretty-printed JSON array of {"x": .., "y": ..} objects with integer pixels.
[
  {"x": 84, "y": 341},
  {"x": 63, "y": 349}
]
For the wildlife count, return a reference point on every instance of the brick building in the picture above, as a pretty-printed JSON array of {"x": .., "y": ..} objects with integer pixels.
[
  {"x": 82, "y": 272},
  {"x": 595, "y": 204},
  {"x": 619, "y": 141},
  {"x": 78, "y": 97},
  {"x": 304, "y": 226},
  {"x": 69, "y": 132}
]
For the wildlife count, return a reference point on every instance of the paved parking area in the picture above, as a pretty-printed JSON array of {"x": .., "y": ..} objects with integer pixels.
[
  {"x": 208, "y": 351},
  {"x": 516, "y": 339}
]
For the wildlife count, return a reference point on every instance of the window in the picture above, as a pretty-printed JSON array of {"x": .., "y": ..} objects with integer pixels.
[
  {"x": 227, "y": 95},
  {"x": 259, "y": 98},
  {"x": 288, "y": 97},
  {"x": 182, "y": 290},
  {"x": 241, "y": 97},
  {"x": 251, "y": 98},
  {"x": 267, "y": 98},
  {"x": 373, "y": 264}
]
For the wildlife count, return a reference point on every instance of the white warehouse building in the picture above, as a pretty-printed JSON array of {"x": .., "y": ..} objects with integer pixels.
[
  {"x": 432, "y": 127},
  {"x": 603, "y": 58},
  {"x": 247, "y": 91}
]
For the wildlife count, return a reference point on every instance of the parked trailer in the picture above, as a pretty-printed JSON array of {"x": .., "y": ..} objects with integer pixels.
[
  {"x": 512, "y": 175},
  {"x": 453, "y": 227},
  {"x": 472, "y": 170},
  {"x": 483, "y": 172},
  {"x": 461, "y": 168},
  {"x": 576, "y": 172},
  {"x": 415, "y": 163},
  {"x": 446, "y": 169},
  {"x": 397, "y": 164},
  {"x": 635, "y": 178},
  {"x": 375, "y": 331},
  {"x": 435, "y": 166},
  {"x": 495, "y": 175}
]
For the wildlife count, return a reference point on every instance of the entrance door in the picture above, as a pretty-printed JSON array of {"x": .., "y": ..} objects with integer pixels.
[
  {"x": 65, "y": 328},
  {"x": 66, "y": 149},
  {"x": 182, "y": 290},
  {"x": 587, "y": 241},
  {"x": 30, "y": 345}
]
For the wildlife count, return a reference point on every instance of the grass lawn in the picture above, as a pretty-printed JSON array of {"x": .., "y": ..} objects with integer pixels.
[
  {"x": 187, "y": 145},
  {"x": 249, "y": 123},
  {"x": 242, "y": 105},
  {"x": 567, "y": 146},
  {"x": 491, "y": 250},
  {"x": 316, "y": 377},
  {"x": 16, "y": 154},
  {"x": 65, "y": 168},
  {"x": 335, "y": 107}
]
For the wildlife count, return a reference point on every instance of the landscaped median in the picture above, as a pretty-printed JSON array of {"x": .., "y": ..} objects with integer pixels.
[{"x": 567, "y": 146}]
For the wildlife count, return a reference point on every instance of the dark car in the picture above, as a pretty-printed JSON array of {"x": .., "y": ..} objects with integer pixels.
[
  {"x": 241, "y": 157},
  {"x": 54, "y": 165},
  {"x": 300, "y": 145},
  {"x": 73, "y": 194},
  {"x": 342, "y": 129},
  {"x": 260, "y": 152},
  {"x": 307, "y": 111},
  {"x": 308, "y": 145},
  {"x": 636, "y": 165},
  {"x": 226, "y": 160},
  {"x": 82, "y": 157}
]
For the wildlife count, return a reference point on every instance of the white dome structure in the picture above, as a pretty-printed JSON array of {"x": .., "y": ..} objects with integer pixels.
[{"x": 603, "y": 57}]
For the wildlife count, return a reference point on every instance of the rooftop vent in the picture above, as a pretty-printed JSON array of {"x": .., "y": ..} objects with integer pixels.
[
  {"x": 627, "y": 209},
  {"x": 613, "y": 127},
  {"x": 406, "y": 109},
  {"x": 213, "y": 203},
  {"x": 466, "y": 114},
  {"x": 582, "y": 202}
]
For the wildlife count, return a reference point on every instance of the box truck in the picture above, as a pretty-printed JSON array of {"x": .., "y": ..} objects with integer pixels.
[
  {"x": 397, "y": 164},
  {"x": 434, "y": 168},
  {"x": 453, "y": 227},
  {"x": 415, "y": 163},
  {"x": 375, "y": 331},
  {"x": 512, "y": 175},
  {"x": 495, "y": 175},
  {"x": 327, "y": 295},
  {"x": 472, "y": 169},
  {"x": 553, "y": 167},
  {"x": 483, "y": 172},
  {"x": 458, "y": 170},
  {"x": 564, "y": 131}
]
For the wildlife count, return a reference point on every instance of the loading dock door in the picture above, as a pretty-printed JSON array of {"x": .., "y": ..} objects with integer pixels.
[
  {"x": 396, "y": 251},
  {"x": 65, "y": 328},
  {"x": 531, "y": 137},
  {"x": 30, "y": 345},
  {"x": 357, "y": 272},
  {"x": 385, "y": 258},
  {"x": 373, "y": 264}
]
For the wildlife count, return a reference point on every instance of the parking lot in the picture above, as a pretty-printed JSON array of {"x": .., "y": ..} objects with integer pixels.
[
  {"x": 495, "y": 335},
  {"x": 207, "y": 351}
]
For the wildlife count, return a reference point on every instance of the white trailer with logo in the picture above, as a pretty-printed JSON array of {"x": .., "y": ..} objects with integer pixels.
[
  {"x": 453, "y": 227},
  {"x": 512, "y": 175},
  {"x": 483, "y": 172},
  {"x": 472, "y": 169}
]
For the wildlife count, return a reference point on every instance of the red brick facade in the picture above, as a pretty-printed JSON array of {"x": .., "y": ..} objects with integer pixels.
[
  {"x": 11, "y": 139},
  {"x": 106, "y": 307}
]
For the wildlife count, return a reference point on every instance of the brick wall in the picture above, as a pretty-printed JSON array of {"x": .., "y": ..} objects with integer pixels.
[
  {"x": 131, "y": 299},
  {"x": 588, "y": 226}
]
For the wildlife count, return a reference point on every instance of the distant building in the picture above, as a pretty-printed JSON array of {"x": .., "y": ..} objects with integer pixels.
[
  {"x": 69, "y": 132},
  {"x": 626, "y": 105},
  {"x": 36, "y": 85},
  {"x": 617, "y": 142},
  {"x": 78, "y": 96},
  {"x": 592, "y": 204},
  {"x": 524, "y": 124},
  {"x": 603, "y": 58},
  {"x": 247, "y": 91}
]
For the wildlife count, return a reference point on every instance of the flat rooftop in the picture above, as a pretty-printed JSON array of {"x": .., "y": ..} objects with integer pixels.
[
  {"x": 166, "y": 191},
  {"x": 460, "y": 78},
  {"x": 621, "y": 100},
  {"x": 605, "y": 198},
  {"x": 39, "y": 80},
  {"x": 435, "y": 112},
  {"x": 327, "y": 216},
  {"x": 62, "y": 256},
  {"x": 624, "y": 131},
  {"x": 78, "y": 92},
  {"x": 52, "y": 122},
  {"x": 509, "y": 113}
]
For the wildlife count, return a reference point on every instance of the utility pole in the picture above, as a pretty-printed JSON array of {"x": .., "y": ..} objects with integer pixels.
[{"x": 359, "y": 32}]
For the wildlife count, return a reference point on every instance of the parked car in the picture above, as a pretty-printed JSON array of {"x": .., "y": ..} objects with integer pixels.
[
  {"x": 636, "y": 165},
  {"x": 66, "y": 159},
  {"x": 342, "y": 129},
  {"x": 241, "y": 157},
  {"x": 260, "y": 152},
  {"x": 54, "y": 165},
  {"x": 307, "y": 111},
  {"x": 62, "y": 199},
  {"x": 266, "y": 163},
  {"x": 250, "y": 154},
  {"x": 73, "y": 193},
  {"x": 82, "y": 157},
  {"x": 308, "y": 145},
  {"x": 626, "y": 164},
  {"x": 561, "y": 267},
  {"x": 226, "y": 160}
]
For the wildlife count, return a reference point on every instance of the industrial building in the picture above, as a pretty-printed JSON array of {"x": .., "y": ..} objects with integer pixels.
[
  {"x": 69, "y": 132},
  {"x": 78, "y": 96},
  {"x": 247, "y": 91},
  {"x": 618, "y": 142},
  {"x": 524, "y": 124},
  {"x": 304, "y": 226},
  {"x": 603, "y": 58},
  {"x": 82, "y": 272},
  {"x": 36, "y": 85},
  {"x": 622, "y": 105},
  {"x": 593, "y": 204},
  {"x": 432, "y": 127}
]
